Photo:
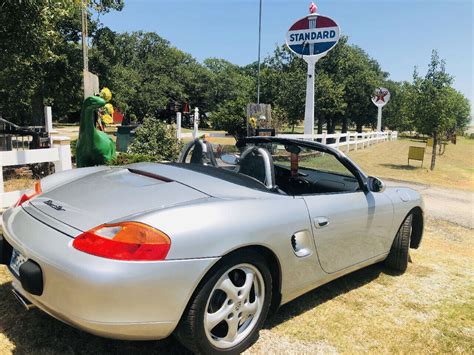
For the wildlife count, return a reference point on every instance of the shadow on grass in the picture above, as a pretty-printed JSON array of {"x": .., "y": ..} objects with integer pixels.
[
  {"x": 36, "y": 332},
  {"x": 401, "y": 166},
  {"x": 325, "y": 293}
]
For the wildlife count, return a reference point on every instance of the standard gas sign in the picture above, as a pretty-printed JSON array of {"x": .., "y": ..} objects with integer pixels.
[{"x": 313, "y": 35}]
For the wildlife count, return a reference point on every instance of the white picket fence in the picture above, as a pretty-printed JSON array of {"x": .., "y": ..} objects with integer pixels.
[
  {"x": 353, "y": 140},
  {"x": 59, "y": 154}
]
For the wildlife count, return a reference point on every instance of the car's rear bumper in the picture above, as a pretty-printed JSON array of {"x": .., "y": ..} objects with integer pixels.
[
  {"x": 116, "y": 330},
  {"x": 117, "y": 299}
]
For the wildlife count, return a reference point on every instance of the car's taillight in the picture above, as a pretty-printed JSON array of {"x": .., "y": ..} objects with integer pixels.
[
  {"x": 124, "y": 241},
  {"x": 29, "y": 194}
]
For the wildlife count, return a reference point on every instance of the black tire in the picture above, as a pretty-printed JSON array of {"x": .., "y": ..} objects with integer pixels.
[
  {"x": 399, "y": 256},
  {"x": 190, "y": 331}
]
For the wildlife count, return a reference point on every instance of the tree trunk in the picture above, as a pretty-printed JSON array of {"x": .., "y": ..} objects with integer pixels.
[
  {"x": 359, "y": 127},
  {"x": 37, "y": 110},
  {"x": 433, "y": 153},
  {"x": 344, "y": 124},
  {"x": 320, "y": 125}
]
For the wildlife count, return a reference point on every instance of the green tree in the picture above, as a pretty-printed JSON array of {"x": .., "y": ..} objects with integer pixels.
[
  {"x": 345, "y": 80},
  {"x": 433, "y": 104},
  {"x": 399, "y": 113},
  {"x": 329, "y": 102},
  {"x": 41, "y": 57},
  {"x": 283, "y": 79},
  {"x": 147, "y": 74},
  {"x": 231, "y": 117},
  {"x": 459, "y": 110},
  {"x": 230, "y": 92}
]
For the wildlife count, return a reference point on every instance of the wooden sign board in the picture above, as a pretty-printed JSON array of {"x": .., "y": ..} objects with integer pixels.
[
  {"x": 416, "y": 153},
  {"x": 262, "y": 113},
  {"x": 91, "y": 84}
]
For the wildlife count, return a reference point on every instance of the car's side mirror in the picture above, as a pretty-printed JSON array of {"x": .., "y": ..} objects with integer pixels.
[
  {"x": 375, "y": 184},
  {"x": 230, "y": 159}
]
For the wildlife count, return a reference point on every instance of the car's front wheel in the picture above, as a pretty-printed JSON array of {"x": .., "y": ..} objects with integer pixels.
[
  {"x": 229, "y": 308},
  {"x": 398, "y": 256}
]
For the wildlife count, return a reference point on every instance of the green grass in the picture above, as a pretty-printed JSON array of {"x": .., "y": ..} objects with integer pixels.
[
  {"x": 429, "y": 309},
  {"x": 454, "y": 169}
]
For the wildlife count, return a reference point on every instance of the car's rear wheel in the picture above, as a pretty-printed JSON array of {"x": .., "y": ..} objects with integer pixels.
[
  {"x": 229, "y": 308},
  {"x": 398, "y": 256}
]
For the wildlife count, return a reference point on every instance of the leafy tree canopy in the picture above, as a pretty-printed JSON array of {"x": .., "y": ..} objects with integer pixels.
[{"x": 42, "y": 64}]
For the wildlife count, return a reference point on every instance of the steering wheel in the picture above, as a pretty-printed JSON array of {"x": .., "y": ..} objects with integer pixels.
[{"x": 299, "y": 183}]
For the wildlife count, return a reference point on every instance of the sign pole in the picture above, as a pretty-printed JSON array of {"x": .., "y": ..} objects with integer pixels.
[
  {"x": 379, "y": 119},
  {"x": 380, "y": 98},
  {"x": 309, "y": 107},
  {"x": 312, "y": 37}
]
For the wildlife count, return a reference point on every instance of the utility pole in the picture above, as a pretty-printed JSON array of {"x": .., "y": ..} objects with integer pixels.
[
  {"x": 84, "y": 34},
  {"x": 259, "y": 42}
]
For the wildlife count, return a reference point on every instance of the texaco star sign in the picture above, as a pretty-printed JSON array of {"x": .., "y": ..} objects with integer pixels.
[{"x": 380, "y": 98}]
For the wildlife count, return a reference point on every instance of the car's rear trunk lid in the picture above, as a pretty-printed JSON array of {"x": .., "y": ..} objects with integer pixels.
[{"x": 112, "y": 194}]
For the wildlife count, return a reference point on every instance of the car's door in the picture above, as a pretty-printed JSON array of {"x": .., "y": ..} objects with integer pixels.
[{"x": 349, "y": 224}]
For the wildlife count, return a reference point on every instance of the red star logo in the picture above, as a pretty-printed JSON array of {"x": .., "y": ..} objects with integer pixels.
[{"x": 380, "y": 96}]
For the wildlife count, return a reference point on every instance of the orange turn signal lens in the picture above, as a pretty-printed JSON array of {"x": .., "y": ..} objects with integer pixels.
[{"x": 132, "y": 241}]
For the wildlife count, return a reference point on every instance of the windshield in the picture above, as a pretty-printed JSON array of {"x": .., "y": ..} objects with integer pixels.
[{"x": 272, "y": 164}]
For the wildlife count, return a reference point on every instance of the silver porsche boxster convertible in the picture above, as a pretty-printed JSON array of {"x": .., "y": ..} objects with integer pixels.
[{"x": 204, "y": 248}]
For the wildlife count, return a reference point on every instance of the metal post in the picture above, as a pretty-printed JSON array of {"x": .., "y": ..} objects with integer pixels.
[
  {"x": 259, "y": 42},
  {"x": 84, "y": 35},
  {"x": 309, "y": 108},
  {"x": 178, "y": 125},
  {"x": 196, "y": 122},
  {"x": 379, "y": 119}
]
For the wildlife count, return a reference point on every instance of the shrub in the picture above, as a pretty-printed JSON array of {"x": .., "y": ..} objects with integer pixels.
[
  {"x": 73, "y": 150},
  {"x": 154, "y": 138},
  {"x": 126, "y": 158},
  {"x": 231, "y": 117}
]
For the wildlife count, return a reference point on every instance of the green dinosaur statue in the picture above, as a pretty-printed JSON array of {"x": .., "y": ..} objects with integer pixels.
[{"x": 93, "y": 146}]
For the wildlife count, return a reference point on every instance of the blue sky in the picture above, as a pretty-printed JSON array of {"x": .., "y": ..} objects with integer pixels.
[{"x": 399, "y": 34}]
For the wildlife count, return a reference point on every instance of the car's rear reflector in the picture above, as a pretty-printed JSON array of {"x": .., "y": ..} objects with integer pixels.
[{"x": 132, "y": 241}]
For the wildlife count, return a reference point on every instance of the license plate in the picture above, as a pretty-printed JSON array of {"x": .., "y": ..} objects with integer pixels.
[{"x": 16, "y": 261}]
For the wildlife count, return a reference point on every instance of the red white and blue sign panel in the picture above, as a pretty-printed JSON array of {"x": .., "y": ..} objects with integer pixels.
[{"x": 313, "y": 35}]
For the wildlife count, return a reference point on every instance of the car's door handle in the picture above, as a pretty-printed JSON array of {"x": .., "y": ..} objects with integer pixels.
[{"x": 320, "y": 222}]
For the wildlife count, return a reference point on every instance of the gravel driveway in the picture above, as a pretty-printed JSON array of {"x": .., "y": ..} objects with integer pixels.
[{"x": 455, "y": 206}]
